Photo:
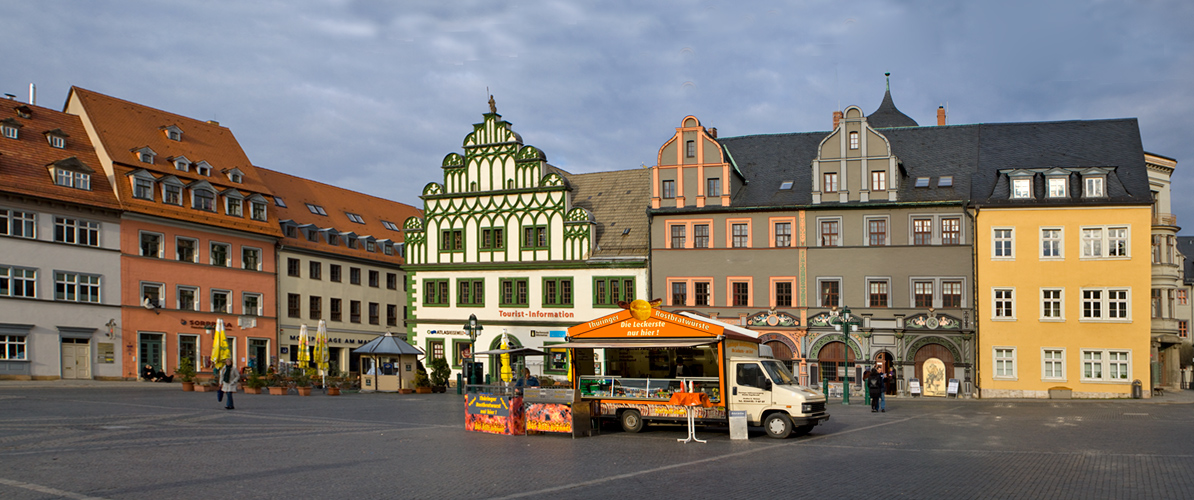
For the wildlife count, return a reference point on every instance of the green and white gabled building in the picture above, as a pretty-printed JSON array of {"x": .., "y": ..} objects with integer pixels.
[{"x": 527, "y": 247}]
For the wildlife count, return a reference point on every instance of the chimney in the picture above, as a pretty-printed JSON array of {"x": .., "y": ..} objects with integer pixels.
[
  {"x": 713, "y": 132},
  {"x": 940, "y": 115},
  {"x": 213, "y": 122},
  {"x": 837, "y": 117},
  {"x": 32, "y": 94}
]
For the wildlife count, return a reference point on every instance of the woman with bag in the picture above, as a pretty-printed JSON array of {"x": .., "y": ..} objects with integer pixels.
[{"x": 228, "y": 378}]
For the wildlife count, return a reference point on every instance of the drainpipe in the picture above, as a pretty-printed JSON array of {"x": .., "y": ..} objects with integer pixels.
[{"x": 974, "y": 303}]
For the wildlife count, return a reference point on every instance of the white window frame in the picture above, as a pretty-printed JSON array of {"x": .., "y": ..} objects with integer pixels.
[
  {"x": 77, "y": 282},
  {"x": 166, "y": 186},
  {"x": 1046, "y": 361},
  {"x": 867, "y": 290},
  {"x": 211, "y": 255},
  {"x": 194, "y": 293},
  {"x": 71, "y": 227},
  {"x": 11, "y": 132},
  {"x": 260, "y": 304},
  {"x": 878, "y": 180},
  {"x": 1104, "y": 364},
  {"x": 996, "y": 240},
  {"x": 825, "y": 184},
  {"x": 136, "y": 189},
  {"x": 1009, "y": 357},
  {"x": 1105, "y": 302},
  {"x": 8, "y": 274},
  {"x": 840, "y": 282},
  {"x": 228, "y": 296},
  {"x": 1059, "y": 243},
  {"x": 1014, "y": 184},
  {"x": 1055, "y": 181},
  {"x": 1104, "y": 241},
  {"x": 995, "y": 300},
  {"x": 195, "y": 199},
  {"x": 1060, "y": 304},
  {"x": 1094, "y": 186},
  {"x": 234, "y": 207},
  {"x": 866, "y": 230},
  {"x": 161, "y": 244},
  {"x": 195, "y": 258},
  {"x": 854, "y": 140},
  {"x": 161, "y": 293},
  {"x": 253, "y": 205},
  {"x": 840, "y": 232},
  {"x": 24, "y": 219},
  {"x": 260, "y": 255}
]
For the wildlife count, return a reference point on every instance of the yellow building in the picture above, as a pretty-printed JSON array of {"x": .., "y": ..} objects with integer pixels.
[{"x": 1063, "y": 291}]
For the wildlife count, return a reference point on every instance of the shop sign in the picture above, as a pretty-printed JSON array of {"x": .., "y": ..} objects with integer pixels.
[
  {"x": 203, "y": 324},
  {"x": 332, "y": 340},
  {"x": 555, "y": 334},
  {"x": 493, "y": 414},
  {"x": 657, "y": 324},
  {"x": 742, "y": 348},
  {"x": 524, "y": 314},
  {"x": 447, "y": 332}
]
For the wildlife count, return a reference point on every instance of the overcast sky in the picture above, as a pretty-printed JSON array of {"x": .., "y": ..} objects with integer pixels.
[{"x": 370, "y": 95}]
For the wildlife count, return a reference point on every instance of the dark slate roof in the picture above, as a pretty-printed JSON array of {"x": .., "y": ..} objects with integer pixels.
[
  {"x": 1185, "y": 245},
  {"x": 387, "y": 344},
  {"x": 888, "y": 116},
  {"x": 617, "y": 200},
  {"x": 972, "y": 154}
]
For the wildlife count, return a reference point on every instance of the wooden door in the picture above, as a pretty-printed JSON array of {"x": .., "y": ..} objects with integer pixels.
[
  {"x": 934, "y": 351},
  {"x": 68, "y": 360}
]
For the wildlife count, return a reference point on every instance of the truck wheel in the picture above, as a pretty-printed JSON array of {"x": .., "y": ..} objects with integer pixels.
[
  {"x": 778, "y": 425},
  {"x": 632, "y": 421},
  {"x": 803, "y": 429}
]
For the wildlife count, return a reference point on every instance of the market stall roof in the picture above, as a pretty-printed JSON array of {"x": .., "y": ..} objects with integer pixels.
[
  {"x": 733, "y": 328},
  {"x": 514, "y": 351},
  {"x": 595, "y": 344},
  {"x": 645, "y": 323},
  {"x": 388, "y": 344}
]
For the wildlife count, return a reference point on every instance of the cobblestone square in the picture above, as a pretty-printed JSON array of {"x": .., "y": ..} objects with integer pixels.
[{"x": 140, "y": 440}]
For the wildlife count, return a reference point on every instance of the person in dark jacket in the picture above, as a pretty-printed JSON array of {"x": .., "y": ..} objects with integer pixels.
[{"x": 874, "y": 385}]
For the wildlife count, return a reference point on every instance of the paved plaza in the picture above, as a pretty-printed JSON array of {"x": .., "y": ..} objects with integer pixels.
[{"x": 153, "y": 441}]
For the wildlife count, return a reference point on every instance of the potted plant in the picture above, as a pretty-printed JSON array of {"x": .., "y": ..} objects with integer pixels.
[
  {"x": 422, "y": 381},
  {"x": 439, "y": 375},
  {"x": 302, "y": 381},
  {"x": 254, "y": 383},
  {"x": 186, "y": 373},
  {"x": 209, "y": 385},
  {"x": 334, "y": 382},
  {"x": 277, "y": 384}
]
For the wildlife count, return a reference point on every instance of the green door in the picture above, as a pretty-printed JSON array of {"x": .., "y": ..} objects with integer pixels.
[{"x": 151, "y": 351}]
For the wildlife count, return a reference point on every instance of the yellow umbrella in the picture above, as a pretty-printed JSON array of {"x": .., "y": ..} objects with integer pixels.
[
  {"x": 507, "y": 373},
  {"x": 219, "y": 346},
  {"x": 321, "y": 348},
  {"x": 303, "y": 357}
]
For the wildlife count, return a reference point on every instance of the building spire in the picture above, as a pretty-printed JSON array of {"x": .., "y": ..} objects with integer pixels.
[{"x": 888, "y": 76}]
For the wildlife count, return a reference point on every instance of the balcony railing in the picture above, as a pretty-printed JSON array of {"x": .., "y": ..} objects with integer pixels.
[{"x": 1164, "y": 220}]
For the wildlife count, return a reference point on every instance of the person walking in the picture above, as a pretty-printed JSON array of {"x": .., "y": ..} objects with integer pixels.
[
  {"x": 887, "y": 383},
  {"x": 228, "y": 377},
  {"x": 874, "y": 385}
]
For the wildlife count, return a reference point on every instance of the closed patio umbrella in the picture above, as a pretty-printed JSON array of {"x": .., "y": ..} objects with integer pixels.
[
  {"x": 219, "y": 345},
  {"x": 321, "y": 350},
  {"x": 302, "y": 357}
]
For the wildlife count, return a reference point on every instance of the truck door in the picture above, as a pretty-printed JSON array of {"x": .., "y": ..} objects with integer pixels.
[{"x": 750, "y": 391}]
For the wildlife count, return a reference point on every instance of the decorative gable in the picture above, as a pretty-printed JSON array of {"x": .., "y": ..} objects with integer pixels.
[
  {"x": 172, "y": 132},
  {"x": 144, "y": 154}
]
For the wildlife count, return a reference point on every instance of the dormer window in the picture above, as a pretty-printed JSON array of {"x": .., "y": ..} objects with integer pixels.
[
  {"x": 24, "y": 111},
  {"x": 257, "y": 207},
  {"x": 1094, "y": 186},
  {"x": 173, "y": 133},
  {"x": 1022, "y": 188},
  {"x": 142, "y": 188},
  {"x": 1057, "y": 187},
  {"x": 352, "y": 242},
  {"x": 233, "y": 206},
  {"x": 236, "y": 176},
  {"x": 181, "y": 163},
  {"x": 57, "y": 138},
  {"x": 11, "y": 128},
  {"x": 334, "y": 239},
  {"x": 853, "y": 140},
  {"x": 172, "y": 194},
  {"x": 203, "y": 168},
  {"x": 370, "y": 246},
  {"x": 354, "y": 217},
  {"x": 316, "y": 209},
  {"x": 71, "y": 173},
  {"x": 202, "y": 199},
  {"x": 291, "y": 231}
]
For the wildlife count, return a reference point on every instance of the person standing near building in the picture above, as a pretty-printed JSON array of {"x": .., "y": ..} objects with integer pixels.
[
  {"x": 888, "y": 382},
  {"x": 874, "y": 384},
  {"x": 228, "y": 377}
]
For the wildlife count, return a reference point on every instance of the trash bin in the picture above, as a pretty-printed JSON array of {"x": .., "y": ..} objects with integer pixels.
[{"x": 1137, "y": 390}]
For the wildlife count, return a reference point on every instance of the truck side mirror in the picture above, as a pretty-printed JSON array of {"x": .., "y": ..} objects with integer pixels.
[{"x": 766, "y": 385}]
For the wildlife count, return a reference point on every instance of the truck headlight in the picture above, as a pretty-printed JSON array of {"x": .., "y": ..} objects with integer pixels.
[{"x": 806, "y": 408}]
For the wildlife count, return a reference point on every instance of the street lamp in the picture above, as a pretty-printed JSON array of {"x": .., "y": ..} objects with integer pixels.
[
  {"x": 473, "y": 328},
  {"x": 843, "y": 322}
]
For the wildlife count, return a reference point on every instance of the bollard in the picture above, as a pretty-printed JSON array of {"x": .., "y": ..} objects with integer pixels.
[
  {"x": 825, "y": 387},
  {"x": 459, "y": 385}
]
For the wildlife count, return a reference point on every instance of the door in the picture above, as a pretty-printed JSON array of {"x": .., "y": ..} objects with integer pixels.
[
  {"x": 151, "y": 351},
  {"x": 76, "y": 359},
  {"x": 748, "y": 390},
  {"x": 937, "y": 372},
  {"x": 258, "y": 355}
]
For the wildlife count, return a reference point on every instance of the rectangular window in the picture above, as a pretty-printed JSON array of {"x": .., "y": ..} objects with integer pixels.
[
  {"x": 374, "y": 313},
  {"x": 354, "y": 275},
  {"x": 391, "y": 315},
  {"x": 188, "y": 298},
  {"x": 1094, "y": 187},
  {"x": 1053, "y": 364},
  {"x": 713, "y": 187},
  {"x": 12, "y": 347},
  {"x": 1092, "y": 365},
  {"x": 829, "y": 233},
  {"x": 233, "y": 207},
  {"x": 354, "y": 310},
  {"x": 315, "y": 270},
  {"x": 831, "y": 182},
  {"x": 1092, "y": 242},
  {"x": 203, "y": 200},
  {"x": 922, "y": 231},
  {"x": 293, "y": 309},
  {"x": 740, "y": 293},
  {"x": 1005, "y": 363},
  {"x": 1004, "y": 303},
  {"x": 492, "y": 238},
  {"x": 876, "y": 232},
  {"x": 1104, "y": 304},
  {"x": 315, "y": 307},
  {"x": 668, "y": 190},
  {"x": 1003, "y": 243},
  {"x": 151, "y": 293},
  {"x": 375, "y": 279},
  {"x": 514, "y": 292},
  {"x": 877, "y": 293},
  {"x": 221, "y": 301},
  {"x": 679, "y": 293},
  {"x": 335, "y": 310},
  {"x": 1117, "y": 304},
  {"x": 172, "y": 195},
  {"x": 783, "y": 234},
  {"x": 951, "y": 294},
  {"x": 783, "y": 294},
  {"x": 534, "y": 237},
  {"x": 435, "y": 292},
  {"x": 250, "y": 258},
  {"x": 470, "y": 292},
  {"x": 76, "y": 231},
  {"x": 258, "y": 210},
  {"x": 334, "y": 272},
  {"x": 143, "y": 189},
  {"x": 700, "y": 236},
  {"x": 878, "y": 180},
  {"x": 450, "y": 241},
  {"x": 700, "y": 293},
  {"x": 853, "y": 140},
  {"x": 18, "y": 223},
  {"x": 18, "y": 282},
  {"x": 608, "y": 291},
  {"x": 951, "y": 232},
  {"x": 1051, "y": 241},
  {"x": 1057, "y": 187},
  {"x": 922, "y": 293},
  {"x": 391, "y": 281},
  {"x": 831, "y": 293},
  {"x": 741, "y": 235},
  {"x": 1021, "y": 188},
  {"x": 151, "y": 245},
  {"x": 1182, "y": 297},
  {"x": 690, "y": 149},
  {"x": 1183, "y": 329},
  {"x": 1117, "y": 242},
  {"x": 678, "y": 235},
  {"x": 1051, "y": 304},
  {"x": 292, "y": 267},
  {"x": 557, "y": 292},
  {"x": 1117, "y": 365},
  {"x": 75, "y": 287},
  {"x": 1092, "y": 304},
  {"x": 220, "y": 254},
  {"x": 250, "y": 304}
]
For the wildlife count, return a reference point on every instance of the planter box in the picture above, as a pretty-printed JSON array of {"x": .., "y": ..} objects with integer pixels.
[
  {"x": 304, "y": 391},
  {"x": 252, "y": 390},
  {"x": 333, "y": 391},
  {"x": 1060, "y": 393},
  {"x": 277, "y": 391},
  {"x": 423, "y": 390},
  {"x": 188, "y": 386},
  {"x": 405, "y": 391},
  {"x": 205, "y": 388}
]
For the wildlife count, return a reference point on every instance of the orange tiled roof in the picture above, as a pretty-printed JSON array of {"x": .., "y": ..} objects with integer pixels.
[
  {"x": 297, "y": 192},
  {"x": 24, "y": 161},
  {"x": 125, "y": 127}
]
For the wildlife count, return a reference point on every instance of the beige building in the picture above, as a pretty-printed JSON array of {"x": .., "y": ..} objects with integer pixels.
[
  {"x": 1169, "y": 298},
  {"x": 339, "y": 260}
]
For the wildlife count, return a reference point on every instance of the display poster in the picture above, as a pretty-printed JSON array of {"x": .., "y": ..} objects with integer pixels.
[
  {"x": 676, "y": 411},
  {"x": 934, "y": 382},
  {"x": 953, "y": 387},
  {"x": 549, "y": 417},
  {"x": 493, "y": 414},
  {"x": 107, "y": 352},
  {"x": 914, "y": 386},
  {"x": 742, "y": 348}
]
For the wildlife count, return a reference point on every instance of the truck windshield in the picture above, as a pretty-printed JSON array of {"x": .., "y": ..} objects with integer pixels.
[{"x": 779, "y": 373}]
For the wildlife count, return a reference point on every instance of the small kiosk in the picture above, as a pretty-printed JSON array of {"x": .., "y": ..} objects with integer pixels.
[{"x": 387, "y": 364}]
